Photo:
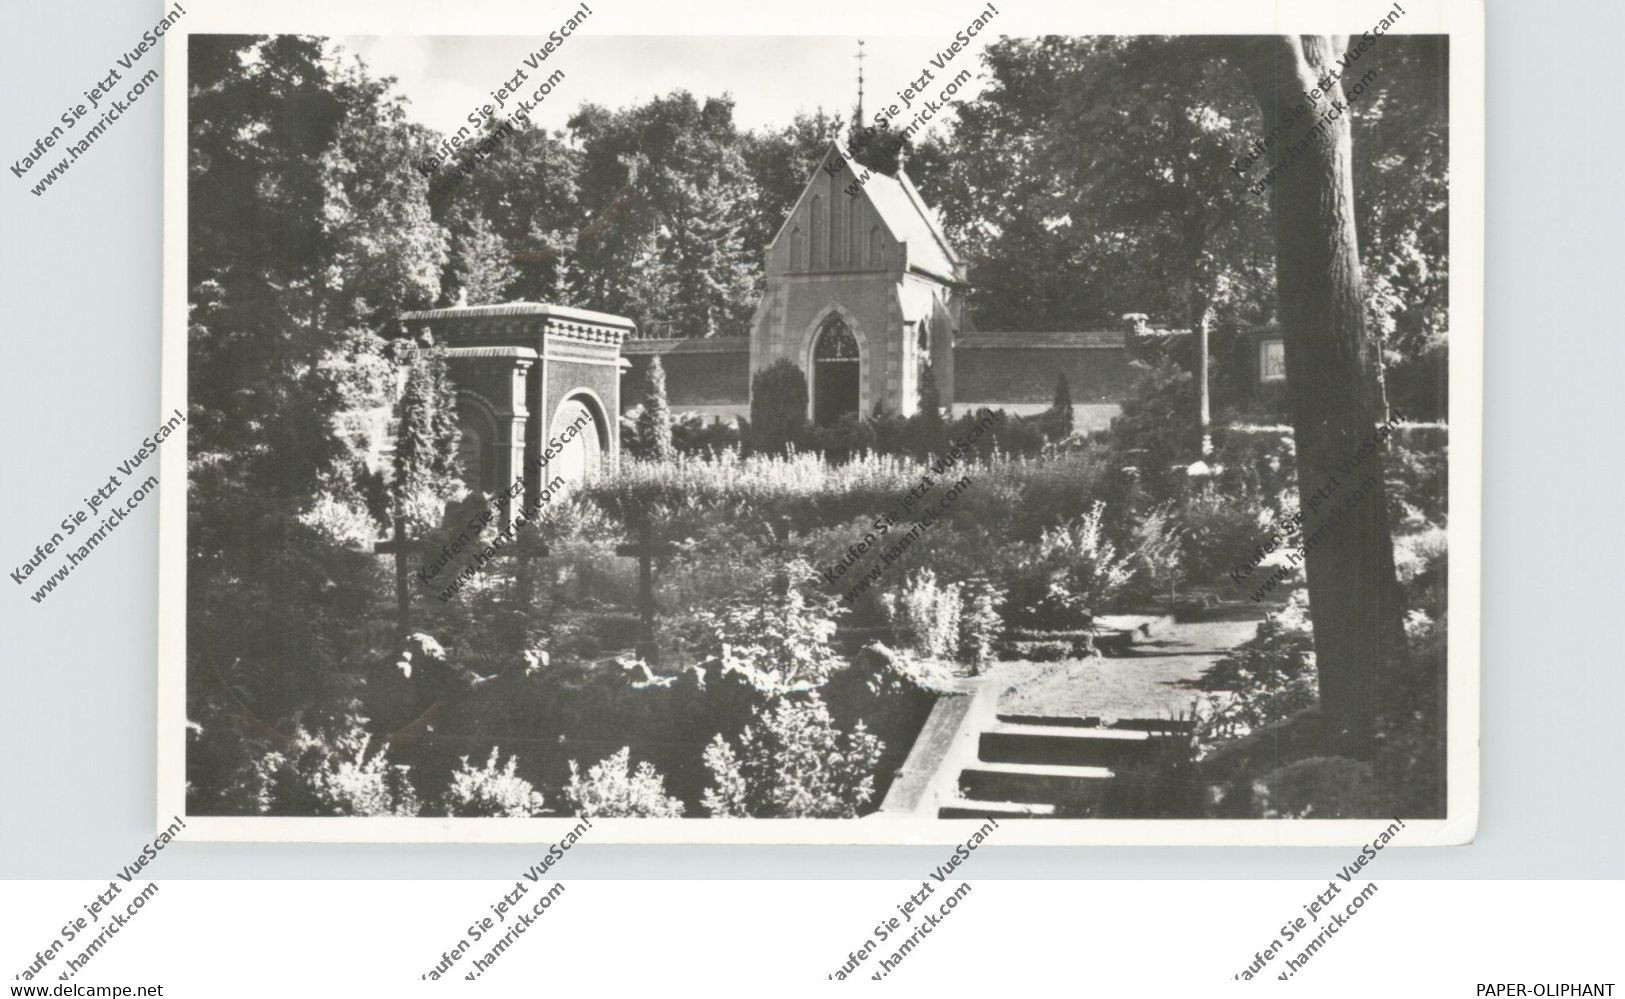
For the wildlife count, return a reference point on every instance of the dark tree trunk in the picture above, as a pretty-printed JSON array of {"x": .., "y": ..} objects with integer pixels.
[{"x": 1333, "y": 384}]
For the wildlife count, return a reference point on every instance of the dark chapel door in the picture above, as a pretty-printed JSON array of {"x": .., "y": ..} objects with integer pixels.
[{"x": 835, "y": 372}]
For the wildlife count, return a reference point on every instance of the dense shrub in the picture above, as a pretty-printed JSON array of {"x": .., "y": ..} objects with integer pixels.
[
  {"x": 1095, "y": 569},
  {"x": 1047, "y": 650},
  {"x": 1071, "y": 574},
  {"x": 895, "y": 434},
  {"x": 1016, "y": 497},
  {"x": 921, "y": 436},
  {"x": 491, "y": 791},
  {"x": 1257, "y": 467},
  {"x": 331, "y": 773},
  {"x": 1165, "y": 784},
  {"x": 785, "y": 636},
  {"x": 1020, "y": 435},
  {"x": 1268, "y": 678},
  {"x": 1318, "y": 787},
  {"x": 1157, "y": 430},
  {"x": 1041, "y": 598},
  {"x": 1219, "y": 534},
  {"x": 612, "y": 789},
  {"x": 692, "y": 435},
  {"x": 778, "y": 407},
  {"x": 792, "y": 762},
  {"x": 843, "y": 441},
  {"x": 1418, "y": 476}
]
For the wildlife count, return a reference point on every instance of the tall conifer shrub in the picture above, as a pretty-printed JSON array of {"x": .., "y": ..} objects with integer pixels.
[
  {"x": 426, "y": 438},
  {"x": 654, "y": 423}
]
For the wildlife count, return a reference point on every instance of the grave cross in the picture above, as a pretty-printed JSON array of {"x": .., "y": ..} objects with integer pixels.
[
  {"x": 525, "y": 551},
  {"x": 645, "y": 550}
]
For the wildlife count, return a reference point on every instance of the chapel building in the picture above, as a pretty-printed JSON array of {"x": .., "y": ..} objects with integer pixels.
[{"x": 864, "y": 293}]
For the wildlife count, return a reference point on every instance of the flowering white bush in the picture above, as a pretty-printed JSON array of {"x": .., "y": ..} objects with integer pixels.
[
  {"x": 332, "y": 774},
  {"x": 1094, "y": 570},
  {"x": 980, "y": 625},
  {"x": 492, "y": 791},
  {"x": 612, "y": 789},
  {"x": 787, "y": 638},
  {"x": 793, "y": 763},
  {"x": 925, "y": 616}
]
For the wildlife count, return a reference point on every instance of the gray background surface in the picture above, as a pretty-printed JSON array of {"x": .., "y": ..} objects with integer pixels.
[{"x": 79, "y": 292}]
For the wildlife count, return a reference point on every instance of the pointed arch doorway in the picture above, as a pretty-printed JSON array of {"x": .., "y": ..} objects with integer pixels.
[{"x": 835, "y": 372}]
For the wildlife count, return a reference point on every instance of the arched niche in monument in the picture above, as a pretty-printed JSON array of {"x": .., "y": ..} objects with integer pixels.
[
  {"x": 582, "y": 456},
  {"x": 476, "y": 444}
]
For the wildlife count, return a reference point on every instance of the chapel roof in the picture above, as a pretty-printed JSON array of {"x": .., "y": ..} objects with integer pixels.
[{"x": 903, "y": 210}]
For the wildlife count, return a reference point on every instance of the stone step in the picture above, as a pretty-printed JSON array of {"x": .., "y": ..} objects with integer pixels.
[
  {"x": 1159, "y": 726},
  {"x": 1009, "y": 742},
  {"x": 1073, "y": 788},
  {"x": 967, "y": 808}
]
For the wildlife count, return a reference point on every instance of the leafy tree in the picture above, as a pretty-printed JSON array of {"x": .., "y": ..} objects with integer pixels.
[
  {"x": 526, "y": 189},
  {"x": 792, "y": 762},
  {"x": 674, "y": 260},
  {"x": 717, "y": 276},
  {"x": 257, "y": 244},
  {"x": 387, "y": 250},
  {"x": 996, "y": 194},
  {"x": 481, "y": 263},
  {"x": 1402, "y": 187},
  {"x": 1091, "y": 178},
  {"x": 654, "y": 422},
  {"x": 309, "y": 232},
  {"x": 779, "y": 162}
]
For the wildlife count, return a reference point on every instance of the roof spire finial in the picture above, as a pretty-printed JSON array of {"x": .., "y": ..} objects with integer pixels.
[{"x": 858, "y": 122}]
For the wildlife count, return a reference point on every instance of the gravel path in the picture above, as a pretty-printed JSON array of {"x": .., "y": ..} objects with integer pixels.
[{"x": 1154, "y": 682}]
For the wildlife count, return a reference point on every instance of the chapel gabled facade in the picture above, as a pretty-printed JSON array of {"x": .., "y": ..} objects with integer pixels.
[{"x": 863, "y": 293}]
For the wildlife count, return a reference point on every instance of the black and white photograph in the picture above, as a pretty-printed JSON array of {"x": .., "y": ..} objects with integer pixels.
[
  {"x": 830, "y": 435},
  {"x": 603, "y": 494}
]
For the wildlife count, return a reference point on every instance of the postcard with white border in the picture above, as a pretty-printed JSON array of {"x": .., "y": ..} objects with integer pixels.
[{"x": 884, "y": 424}]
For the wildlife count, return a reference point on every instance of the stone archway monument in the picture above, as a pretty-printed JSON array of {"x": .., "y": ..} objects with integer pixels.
[{"x": 526, "y": 374}]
